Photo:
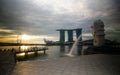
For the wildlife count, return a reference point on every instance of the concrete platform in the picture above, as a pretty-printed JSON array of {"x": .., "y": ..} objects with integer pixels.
[{"x": 97, "y": 64}]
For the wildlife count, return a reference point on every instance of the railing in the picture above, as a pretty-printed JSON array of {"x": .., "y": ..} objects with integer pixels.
[{"x": 33, "y": 49}]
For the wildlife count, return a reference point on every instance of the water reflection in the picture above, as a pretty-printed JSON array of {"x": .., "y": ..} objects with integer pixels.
[
  {"x": 23, "y": 48},
  {"x": 70, "y": 46},
  {"x": 21, "y": 54},
  {"x": 79, "y": 50},
  {"x": 83, "y": 52},
  {"x": 62, "y": 48},
  {"x": 52, "y": 52}
]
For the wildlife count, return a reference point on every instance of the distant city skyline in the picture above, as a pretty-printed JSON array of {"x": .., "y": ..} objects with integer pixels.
[{"x": 39, "y": 19}]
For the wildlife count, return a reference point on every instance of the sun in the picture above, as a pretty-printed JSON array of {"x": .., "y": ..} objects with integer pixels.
[{"x": 25, "y": 37}]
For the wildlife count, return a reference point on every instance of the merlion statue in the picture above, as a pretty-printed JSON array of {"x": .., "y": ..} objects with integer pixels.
[{"x": 98, "y": 33}]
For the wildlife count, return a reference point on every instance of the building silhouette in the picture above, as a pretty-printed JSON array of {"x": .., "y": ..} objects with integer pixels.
[{"x": 70, "y": 34}]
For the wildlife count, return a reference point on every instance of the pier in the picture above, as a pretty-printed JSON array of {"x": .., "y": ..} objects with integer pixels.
[{"x": 33, "y": 49}]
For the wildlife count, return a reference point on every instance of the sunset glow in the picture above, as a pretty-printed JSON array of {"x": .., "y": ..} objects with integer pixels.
[
  {"x": 39, "y": 19},
  {"x": 25, "y": 37}
]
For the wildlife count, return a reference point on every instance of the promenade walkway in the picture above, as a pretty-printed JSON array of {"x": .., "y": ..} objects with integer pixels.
[{"x": 97, "y": 64}]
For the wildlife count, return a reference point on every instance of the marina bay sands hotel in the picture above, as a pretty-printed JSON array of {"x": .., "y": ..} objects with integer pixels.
[{"x": 70, "y": 34}]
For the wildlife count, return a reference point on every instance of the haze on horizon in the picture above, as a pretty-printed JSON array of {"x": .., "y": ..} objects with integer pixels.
[{"x": 39, "y": 19}]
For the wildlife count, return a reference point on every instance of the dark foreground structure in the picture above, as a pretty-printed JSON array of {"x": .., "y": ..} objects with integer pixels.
[
  {"x": 98, "y": 64},
  {"x": 7, "y": 62}
]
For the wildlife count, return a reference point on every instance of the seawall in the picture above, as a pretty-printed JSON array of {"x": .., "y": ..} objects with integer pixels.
[{"x": 7, "y": 61}]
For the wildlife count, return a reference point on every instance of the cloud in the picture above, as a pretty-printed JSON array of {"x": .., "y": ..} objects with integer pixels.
[{"x": 43, "y": 17}]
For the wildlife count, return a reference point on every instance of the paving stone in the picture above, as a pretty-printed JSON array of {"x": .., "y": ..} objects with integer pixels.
[{"x": 97, "y": 64}]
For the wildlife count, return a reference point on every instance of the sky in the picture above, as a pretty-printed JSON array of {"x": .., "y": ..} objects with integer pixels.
[{"x": 39, "y": 19}]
